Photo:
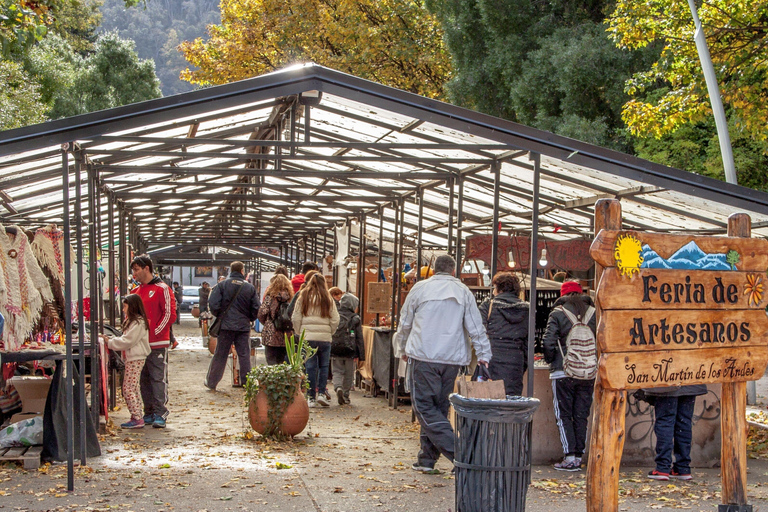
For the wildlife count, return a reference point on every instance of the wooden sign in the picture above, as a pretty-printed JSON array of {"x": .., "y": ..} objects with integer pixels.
[
  {"x": 675, "y": 310},
  {"x": 379, "y": 298},
  {"x": 635, "y": 250},
  {"x": 695, "y": 289},
  {"x": 681, "y": 367},
  {"x": 699, "y": 298},
  {"x": 639, "y": 330}
]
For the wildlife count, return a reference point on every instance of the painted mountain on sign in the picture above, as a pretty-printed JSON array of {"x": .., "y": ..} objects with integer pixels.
[{"x": 688, "y": 257}]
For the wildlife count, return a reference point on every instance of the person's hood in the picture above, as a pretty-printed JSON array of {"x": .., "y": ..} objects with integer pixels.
[
  {"x": 349, "y": 302},
  {"x": 298, "y": 279}
]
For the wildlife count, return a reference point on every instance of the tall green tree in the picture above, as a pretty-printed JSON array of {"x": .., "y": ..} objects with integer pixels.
[
  {"x": 20, "y": 98},
  {"x": 550, "y": 64},
  {"x": 395, "y": 42},
  {"x": 158, "y": 27},
  {"x": 737, "y": 38}
]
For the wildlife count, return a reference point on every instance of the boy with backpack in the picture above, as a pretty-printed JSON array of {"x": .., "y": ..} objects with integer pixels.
[
  {"x": 571, "y": 351},
  {"x": 346, "y": 347}
]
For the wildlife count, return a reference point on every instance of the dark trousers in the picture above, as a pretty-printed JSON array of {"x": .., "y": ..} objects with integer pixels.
[
  {"x": 154, "y": 383},
  {"x": 572, "y": 401},
  {"x": 431, "y": 383},
  {"x": 508, "y": 364},
  {"x": 275, "y": 355},
  {"x": 317, "y": 367},
  {"x": 242, "y": 342},
  {"x": 673, "y": 429}
]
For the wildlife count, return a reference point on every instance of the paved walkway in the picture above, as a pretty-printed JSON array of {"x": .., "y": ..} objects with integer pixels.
[{"x": 350, "y": 458}]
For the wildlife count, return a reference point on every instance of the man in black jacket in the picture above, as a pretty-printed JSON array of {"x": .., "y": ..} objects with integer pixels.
[{"x": 237, "y": 302}]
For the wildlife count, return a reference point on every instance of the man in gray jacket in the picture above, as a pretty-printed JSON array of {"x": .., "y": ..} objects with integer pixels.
[
  {"x": 437, "y": 323},
  {"x": 237, "y": 302}
]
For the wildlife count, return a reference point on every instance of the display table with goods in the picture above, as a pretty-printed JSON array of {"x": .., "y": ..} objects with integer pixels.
[{"x": 55, "y": 410}]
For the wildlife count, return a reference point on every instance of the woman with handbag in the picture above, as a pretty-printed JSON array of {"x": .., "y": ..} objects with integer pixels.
[
  {"x": 506, "y": 321},
  {"x": 315, "y": 316},
  {"x": 271, "y": 312}
]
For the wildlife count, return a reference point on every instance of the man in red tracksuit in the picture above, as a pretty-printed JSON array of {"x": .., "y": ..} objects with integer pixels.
[{"x": 160, "y": 305}]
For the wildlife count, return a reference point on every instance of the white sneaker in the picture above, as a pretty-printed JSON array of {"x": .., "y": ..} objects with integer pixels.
[
  {"x": 312, "y": 403},
  {"x": 322, "y": 400}
]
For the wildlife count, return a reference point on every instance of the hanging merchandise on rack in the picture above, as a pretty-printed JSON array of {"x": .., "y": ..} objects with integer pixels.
[
  {"x": 24, "y": 287},
  {"x": 49, "y": 249}
]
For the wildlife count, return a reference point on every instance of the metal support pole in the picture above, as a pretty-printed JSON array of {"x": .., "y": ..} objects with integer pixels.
[
  {"x": 533, "y": 294},
  {"x": 533, "y": 266},
  {"x": 80, "y": 314},
  {"x": 379, "y": 272},
  {"x": 459, "y": 214},
  {"x": 112, "y": 269},
  {"x": 69, "y": 365},
  {"x": 349, "y": 250},
  {"x": 496, "y": 170},
  {"x": 450, "y": 214},
  {"x": 125, "y": 265},
  {"x": 361, "y": 271},
  {"x": 307, "y": 123},
  {"x": 420, "y": 199},
  {"x": 393, "y": 313},
  {"x": 334, "y": 268},
  {"x": 325, "y": 243},
  {"x": 99, "y": 245},
  {"x": 95, "y": 299},
  {"x": 293, "y": 129},
  {"x": 726, "y": 152}
]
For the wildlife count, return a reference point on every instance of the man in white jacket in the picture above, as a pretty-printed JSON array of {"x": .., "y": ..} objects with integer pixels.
[{"x": 437, "y": 323}]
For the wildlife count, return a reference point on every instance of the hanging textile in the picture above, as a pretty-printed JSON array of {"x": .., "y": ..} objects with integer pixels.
[
  {"x": 342, "y": 251},
  {"x": 48, "y": 247},
  {"x": 25, "y": 287}
]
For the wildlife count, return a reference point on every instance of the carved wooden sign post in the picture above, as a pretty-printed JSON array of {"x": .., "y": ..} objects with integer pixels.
[{"x": 675, "y": 310}]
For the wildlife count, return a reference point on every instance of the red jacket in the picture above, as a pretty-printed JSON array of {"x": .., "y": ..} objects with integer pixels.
[
  {"x": 160, "y": 305},
  {"x": 297, "y": 281}
]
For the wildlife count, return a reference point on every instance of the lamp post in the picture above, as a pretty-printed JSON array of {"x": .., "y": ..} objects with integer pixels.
[{"x": 714, "y": 97}]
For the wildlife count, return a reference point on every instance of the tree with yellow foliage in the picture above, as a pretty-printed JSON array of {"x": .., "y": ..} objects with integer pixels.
[
  {"x": 672, "y": 93},
  {"x": 394, "y": 42}
]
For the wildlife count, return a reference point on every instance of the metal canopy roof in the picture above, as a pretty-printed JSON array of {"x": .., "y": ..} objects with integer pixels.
[{"x": 263, "y": 161}]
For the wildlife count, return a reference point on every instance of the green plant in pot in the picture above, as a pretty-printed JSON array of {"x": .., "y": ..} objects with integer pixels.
[{"x": 274, "y": 395}]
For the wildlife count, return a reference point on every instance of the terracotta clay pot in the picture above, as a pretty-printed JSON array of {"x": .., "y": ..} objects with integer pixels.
[
  {"x": 196, "y": 312},
  {"x": 212, "y": 344},
  {"x": 294, "y": 419}
]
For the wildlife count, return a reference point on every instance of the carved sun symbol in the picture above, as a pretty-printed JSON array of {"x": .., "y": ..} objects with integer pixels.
[{"x": 627, "y": 254}]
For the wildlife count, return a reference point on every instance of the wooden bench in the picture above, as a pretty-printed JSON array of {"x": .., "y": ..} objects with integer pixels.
[{"x": 29, "y": 455}]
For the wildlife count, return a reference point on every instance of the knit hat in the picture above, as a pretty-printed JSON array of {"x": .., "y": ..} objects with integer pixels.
[{"x": 570, "y": 287}]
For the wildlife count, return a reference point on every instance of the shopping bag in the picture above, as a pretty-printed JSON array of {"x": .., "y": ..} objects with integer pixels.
[
  {"x": 215, "y": 327},
  {"x": 481, "y": 385}
]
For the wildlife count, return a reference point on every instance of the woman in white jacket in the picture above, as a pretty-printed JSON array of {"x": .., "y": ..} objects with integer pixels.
[
  {"x": 316, "y": 316},
  {"x": 135, "y": 346}
]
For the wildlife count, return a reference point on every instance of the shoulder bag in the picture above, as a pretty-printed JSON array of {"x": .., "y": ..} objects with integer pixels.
[{"x": 215, "y": 327}]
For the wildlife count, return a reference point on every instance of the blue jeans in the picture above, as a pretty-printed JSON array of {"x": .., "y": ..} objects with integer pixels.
[
  {"x": 673, "y": 429},
  {"x": 317, "y": 367}
]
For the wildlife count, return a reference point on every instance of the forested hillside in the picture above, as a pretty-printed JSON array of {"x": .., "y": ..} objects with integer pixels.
[{"x": 158, "y": 26}]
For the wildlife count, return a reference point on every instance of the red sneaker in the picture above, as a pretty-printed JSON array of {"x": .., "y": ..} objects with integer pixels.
[
  {"x": 680, "y": 476},
  {"x": 658, "y": 475}
]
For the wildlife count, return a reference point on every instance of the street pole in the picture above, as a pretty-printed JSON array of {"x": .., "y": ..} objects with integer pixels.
[{"x": 714, "y": 97}]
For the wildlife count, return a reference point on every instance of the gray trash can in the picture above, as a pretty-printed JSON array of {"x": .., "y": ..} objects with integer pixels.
[{"x": 492, "y": 456}]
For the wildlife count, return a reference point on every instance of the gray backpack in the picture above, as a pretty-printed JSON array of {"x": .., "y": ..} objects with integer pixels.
[{"x": 580, "y": 362}]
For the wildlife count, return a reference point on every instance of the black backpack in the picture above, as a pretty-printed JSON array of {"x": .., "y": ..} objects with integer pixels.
[
  {"x": 283, "y": 321},
  {"x": 343, "y": 342}
]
